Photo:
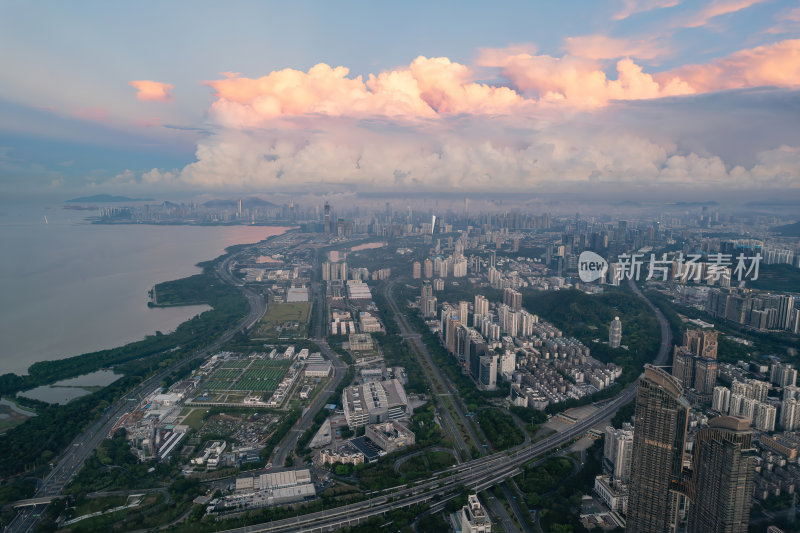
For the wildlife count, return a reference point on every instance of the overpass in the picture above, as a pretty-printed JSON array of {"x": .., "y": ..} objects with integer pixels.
[{"x": 33, "y": 502}]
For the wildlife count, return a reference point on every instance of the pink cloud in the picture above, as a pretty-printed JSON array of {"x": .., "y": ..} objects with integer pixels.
[
  {"x": 716, "y": 9},
  {"x": 99, "y": 114},
  {"x": 437, "y": 87},
  {"x": 153, "y": 90},
  {"x": 632, "y": 7},
  {"x": 426, "y": 88},
  {"x": 788, "y": 22},
  {"x": 581, "y": 82},
  {"x": 775, "y": 64},
  {"x": 604, "y": 47}
]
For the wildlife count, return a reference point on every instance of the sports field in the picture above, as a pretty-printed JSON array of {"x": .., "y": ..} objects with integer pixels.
[{"x": 246, "y": 375}]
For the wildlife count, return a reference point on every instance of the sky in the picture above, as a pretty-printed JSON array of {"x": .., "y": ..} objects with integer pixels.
[{"x": 189, "y": 96}]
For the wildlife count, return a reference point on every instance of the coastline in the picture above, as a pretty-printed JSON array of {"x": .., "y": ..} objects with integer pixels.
[{"x": 154, "y": 260}]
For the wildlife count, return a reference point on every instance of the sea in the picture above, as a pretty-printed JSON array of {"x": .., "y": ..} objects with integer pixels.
[{"x": 69, "y": 287}]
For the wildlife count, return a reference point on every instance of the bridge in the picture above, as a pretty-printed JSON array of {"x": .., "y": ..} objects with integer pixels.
[{"x": 32, "y": 502}]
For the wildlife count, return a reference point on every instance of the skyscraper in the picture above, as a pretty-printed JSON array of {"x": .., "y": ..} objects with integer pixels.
[
  {"x": 722, "y": 480},
  {"x": 615, "y": 333},
  {"x": 659, "y": 439}
]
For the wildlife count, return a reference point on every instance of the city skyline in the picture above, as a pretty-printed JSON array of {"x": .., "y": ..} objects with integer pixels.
[{"x": 637, "y": 97}]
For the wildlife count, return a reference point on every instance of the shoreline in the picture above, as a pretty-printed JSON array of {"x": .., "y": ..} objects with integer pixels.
[{"x": 148, "y": 301}]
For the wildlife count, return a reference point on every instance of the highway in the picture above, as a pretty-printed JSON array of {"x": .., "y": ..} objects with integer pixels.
[
  {"x": 477, "y": 474},
  {"x": 442, "y": 388},
  {"x": 73, "y": 457},
  {"x": 289, "y": 442}
]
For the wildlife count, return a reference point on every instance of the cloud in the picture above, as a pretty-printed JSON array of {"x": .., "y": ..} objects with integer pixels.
[
  {"x": 788, "y": 22},
  {"x": 582, "y": 82},
  {"x": 775, "y": 64},
  {"x": 716, "y": 9},
  {"x": 547, "y": 122},
  {"x": 604, "y": 47},
  {"x": 631, "y": 7},
  {"x": 153, "y": 90},
  {"x": 426, "y": 88},
  {"x": 465, "y": 154}
]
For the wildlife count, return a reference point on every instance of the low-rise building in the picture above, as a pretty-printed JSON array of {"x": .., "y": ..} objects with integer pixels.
[{"x": 390, "y": 436}]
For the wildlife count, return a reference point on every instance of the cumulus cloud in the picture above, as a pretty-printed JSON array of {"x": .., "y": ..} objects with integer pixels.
[
  {"x": 427, "y": 87},
  {"x": 775, "y": 64},
  {"x": 582, "y": 82},
  {"x": 432, "y": 125},
  {"x": 152, "y": 90}
]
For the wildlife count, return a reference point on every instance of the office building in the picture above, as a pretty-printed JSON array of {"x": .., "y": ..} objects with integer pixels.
[
  {"x": 374, "y": 402},
  {"x": 416, "y": 270},
  {"x": 659, "y": 439},
  {"x": 487, "y": 372},
  {"x": 722, "y": 478}
]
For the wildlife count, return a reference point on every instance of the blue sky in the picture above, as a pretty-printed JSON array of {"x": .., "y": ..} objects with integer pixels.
[{"x": 467, "y": 94}]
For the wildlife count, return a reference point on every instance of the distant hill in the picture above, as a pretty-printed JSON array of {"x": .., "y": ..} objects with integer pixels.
[
  {"x": 105, "y": 198},
  {"x": 789, "y": 230},
  {"x": 246, "y": 202}
]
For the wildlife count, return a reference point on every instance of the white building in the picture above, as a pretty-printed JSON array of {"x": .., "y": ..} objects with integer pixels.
[{"x": 473, "y": 518}]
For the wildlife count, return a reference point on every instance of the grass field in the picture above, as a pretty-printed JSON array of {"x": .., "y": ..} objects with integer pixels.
[
  {"x": 236, "y": 364},
  {"x": 225, "y": 373},
  {"x": 284, "y": 320},
  {"x": 195, "y": 418},
  {"x": 287, "y": 312},
  {"x": 267, "y": 363},
  {"x": 262, "y": 376}
]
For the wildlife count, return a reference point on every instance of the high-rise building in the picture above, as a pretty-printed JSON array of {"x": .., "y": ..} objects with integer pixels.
[
  {"x": 661, "y": 419},
  {"x": 513, "y": 299},
  {"x": 702, "y": 343},
  {"x": 508, "y": 364},
  {"x": 683, "y": 366},
  {"x": 764, "y": 417},
  {"x": 783, "y": 375},
  {"x": 463, "y": 312},
  {"x": 477, "y": 348},
  {"x": 481, "y": 305},
  {"x": 487, "y": 372},
  {"x": 721, "y": 400},
  {"x": 416, "y": 270},
  {"x": 722, "y": 479},
  {"x": 428, "y": 268},
  {"x": 472, "y": 518},
  {"x": 705, "y": 375},
  {"x": 617, "y": 451},
  {"x": 615, "y": 333},
  {"x": 790, "y": 414}
]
